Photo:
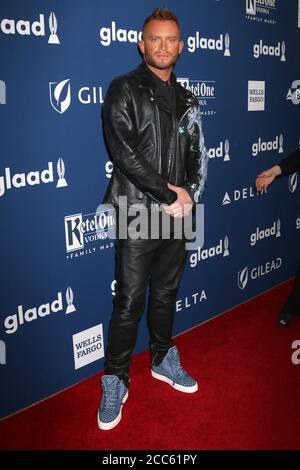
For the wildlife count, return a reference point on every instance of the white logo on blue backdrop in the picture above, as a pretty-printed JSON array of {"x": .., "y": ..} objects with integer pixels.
[
  {"x": 222, "y": 151},
  {"x": 28, "y": 28},
  {"x": 268, "y": 146},
  {"x": 53, "y": 38},
  {"x": 293, "y": 182},
  {"x": 60, "y": 95},
  {"x": 257, "y": 272},
  {"x": 261, "y": 11},
  {"x": 2, "y": 352},
  {"x": 2, "y": 92},
  {"x": 260, "y": 49},
  {"x": 294, "y": 92},
  {"x": 256, "y": 95},
  {"x": 13, "y": 322},
  {"x": 32, "y": 178}
]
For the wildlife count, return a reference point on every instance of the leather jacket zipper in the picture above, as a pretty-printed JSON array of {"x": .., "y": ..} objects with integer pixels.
[{"x": 158, "y": 132}]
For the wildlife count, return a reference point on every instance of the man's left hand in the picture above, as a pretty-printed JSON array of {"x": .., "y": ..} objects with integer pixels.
[{"x": 183, "y": 204}]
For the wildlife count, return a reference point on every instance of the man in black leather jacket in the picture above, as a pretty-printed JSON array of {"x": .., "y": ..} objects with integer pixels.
[
  {"x": 152, "y": 128},
  {"x": 288, "y": 165}
]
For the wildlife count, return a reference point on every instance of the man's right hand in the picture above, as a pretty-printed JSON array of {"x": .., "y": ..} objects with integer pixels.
[{"x": 267, "y": 177}]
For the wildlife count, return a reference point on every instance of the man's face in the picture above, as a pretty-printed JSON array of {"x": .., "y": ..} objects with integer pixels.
[{"x": 161, "y": 44}]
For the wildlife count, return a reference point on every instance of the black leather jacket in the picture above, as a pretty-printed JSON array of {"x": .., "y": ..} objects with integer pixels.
[{"x": 133, "y": 136}]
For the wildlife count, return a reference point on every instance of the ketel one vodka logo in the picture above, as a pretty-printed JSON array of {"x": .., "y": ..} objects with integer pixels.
[
  {"x": 293, "y": 182},
  {"x": 86, "y": 229},
  {"x": 32, "y": 178},
  {"x": 29, "y": 28},
  {"x": 205, "y": 92},
  {"x": 13, "y": 322},
  {"x": 257, "y": 272}
]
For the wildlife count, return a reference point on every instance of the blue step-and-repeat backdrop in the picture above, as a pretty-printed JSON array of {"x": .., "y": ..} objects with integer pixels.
[{"x": 241, "y": 58}]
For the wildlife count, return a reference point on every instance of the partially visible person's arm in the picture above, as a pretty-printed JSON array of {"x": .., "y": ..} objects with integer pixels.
[
  {"x": 291, "y": 163},
  {"x": 288, "y": 165}
]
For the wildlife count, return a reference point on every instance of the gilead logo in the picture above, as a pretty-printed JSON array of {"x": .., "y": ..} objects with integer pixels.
[
  {"x": 13, "y": 322},
  {"x": 258, "y": 271}
]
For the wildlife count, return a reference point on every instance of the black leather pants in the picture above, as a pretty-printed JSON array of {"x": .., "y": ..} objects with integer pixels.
[{"x": 160, "y": 264}]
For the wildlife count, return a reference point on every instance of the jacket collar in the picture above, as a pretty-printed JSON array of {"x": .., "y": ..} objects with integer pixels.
[{"x": 184, "y": 98}]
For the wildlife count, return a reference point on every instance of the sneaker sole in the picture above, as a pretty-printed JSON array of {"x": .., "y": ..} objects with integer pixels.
[
  {"x": 178, "y": 387},
  {"x": 115, "y": 422}
]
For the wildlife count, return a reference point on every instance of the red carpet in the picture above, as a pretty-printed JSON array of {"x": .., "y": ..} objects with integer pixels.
[{"x": 248, "y": 398}]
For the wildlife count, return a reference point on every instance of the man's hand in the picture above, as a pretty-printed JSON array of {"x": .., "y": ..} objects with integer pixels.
[
  {"x": 183, "y": 204},
  {"x": 267, "y": 177}
]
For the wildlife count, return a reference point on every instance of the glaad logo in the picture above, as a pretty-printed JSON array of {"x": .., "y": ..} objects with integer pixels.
[
  {"x": 2, "y": 352},
  {"x": 256, "y": 95},
  {"x": 294, "y": 92},
  {"x": 193, "y": 299},
  {"x": 12, "y": 322},
  {"x": 293, "y": 182},
  {"x": 263, "y": 50},
  {"x": 258, "y": 271},
  {"x": 112, "y": 34},
  {"x": 88, "y": 346},
  {"x": 243, "y": 193},
  {"x": 53, "y": 38},
  {"x": 298, "y": 223},
  {"x": 295, "y": 358},
  {"x": 271, "y": 145},
  {"x": 2, "y": 92},
  {"x": 37, "y": 28},
  {"x": 260, "y": 234},
  {"x": 222, "y": 151},
  {"x": 204, "y": 90},
  {"x": 20, "y": 180},
  {"x": 203, "y": 254},
  {"x": 82, "y": 229},
  {"x": 62, "y": 183},
  {"x": 199, "y": 42},
  {"x": 60, "y": 95}
]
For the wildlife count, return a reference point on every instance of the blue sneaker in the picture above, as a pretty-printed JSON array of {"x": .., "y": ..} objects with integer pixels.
[
  {"x": 114, "y": 395},
  {"x": 171, "y": 371}
]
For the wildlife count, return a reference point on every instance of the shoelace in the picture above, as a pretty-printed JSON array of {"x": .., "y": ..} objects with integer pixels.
[
  {"x": 110, "y": 394},
  {"x": 176, "y": 363}
]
